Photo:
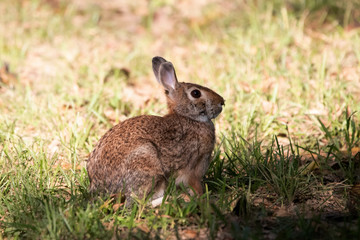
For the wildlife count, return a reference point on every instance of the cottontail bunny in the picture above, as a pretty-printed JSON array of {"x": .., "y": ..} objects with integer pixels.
[{"x": 139, "y": 155}]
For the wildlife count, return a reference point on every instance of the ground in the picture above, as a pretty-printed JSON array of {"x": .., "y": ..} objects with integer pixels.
[{"x": 287, "y": 159}]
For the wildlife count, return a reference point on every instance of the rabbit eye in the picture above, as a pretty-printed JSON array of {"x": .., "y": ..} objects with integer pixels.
[{"x": 195, "y": 93}]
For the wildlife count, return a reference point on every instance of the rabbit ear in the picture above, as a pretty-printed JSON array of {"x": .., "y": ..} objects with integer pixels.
[
  {"x": 167, "y": 77},
  {"x": 156, "y": 62}
]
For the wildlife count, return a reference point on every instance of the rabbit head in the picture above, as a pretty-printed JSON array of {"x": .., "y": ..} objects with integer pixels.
[{"x": 186, "y": 99}]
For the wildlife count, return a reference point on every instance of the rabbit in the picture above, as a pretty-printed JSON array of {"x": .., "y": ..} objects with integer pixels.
[{"x": 139, "y": 155}]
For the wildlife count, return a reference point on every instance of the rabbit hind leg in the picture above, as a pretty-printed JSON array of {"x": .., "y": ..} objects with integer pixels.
[
  {"x": 145, "y": 185},
  {"x": 158, "y": 195},
  {"x": 144, "y": 173}
]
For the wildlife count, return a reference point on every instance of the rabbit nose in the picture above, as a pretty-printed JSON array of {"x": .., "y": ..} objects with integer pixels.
[{"x": 222, "y": 102}]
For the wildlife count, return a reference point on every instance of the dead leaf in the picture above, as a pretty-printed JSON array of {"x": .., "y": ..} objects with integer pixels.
[
  {"x": 246, "y": 87},
  {"x": 185, "y": 197},
  {"x": 310, "y": 167},
  {"x": 116, "y": 206},
  {"x": 355, "y": 151},
  {"x": 317, "y": 111},
  {"x": 258, "y": 201},
  {"x": 143, "y": 227},
  {"x": 353, "y": 202},
  {"x": 283, "y": 141},
  {"x": 117, "y": 72},
  {"x": 355, "y": 191},
  {"x": 6, "y": 77},
  {"x": 269, "y": 107},
  {"x": 106, "y": 204},
  {"x": 189, "y": 234},
  {"x": 350, "y": 73},
  {"x": 53, "y": 147},
  {"x": 109, "y": 225},
  {"x": 68, "y": 166},
  {"x": 285, "y": 211}
]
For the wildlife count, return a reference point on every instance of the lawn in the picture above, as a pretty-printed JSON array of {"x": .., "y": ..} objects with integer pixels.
[{"x": 286, "y": 164}]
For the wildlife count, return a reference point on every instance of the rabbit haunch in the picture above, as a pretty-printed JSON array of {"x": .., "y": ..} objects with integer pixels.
[{"x": 139, "y": 155}]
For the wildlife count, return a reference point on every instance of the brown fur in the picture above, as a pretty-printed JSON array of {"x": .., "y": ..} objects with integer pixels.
[{"x": 141, "y": 153}]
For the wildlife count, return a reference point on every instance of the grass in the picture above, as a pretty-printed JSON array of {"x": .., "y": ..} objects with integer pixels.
[{"x": 286, "y": 163}]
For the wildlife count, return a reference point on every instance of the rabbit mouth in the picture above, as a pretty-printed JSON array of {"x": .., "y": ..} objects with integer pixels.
[
  {"x": 209, "y": 115},
  {"x": 213, "y": 113},
  {"x": 203, "y": 113}
]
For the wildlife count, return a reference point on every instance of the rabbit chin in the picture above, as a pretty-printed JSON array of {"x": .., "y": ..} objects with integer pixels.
[
  {"x": 206, "y": 116},
  {"x": 203, "y": 118}
]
